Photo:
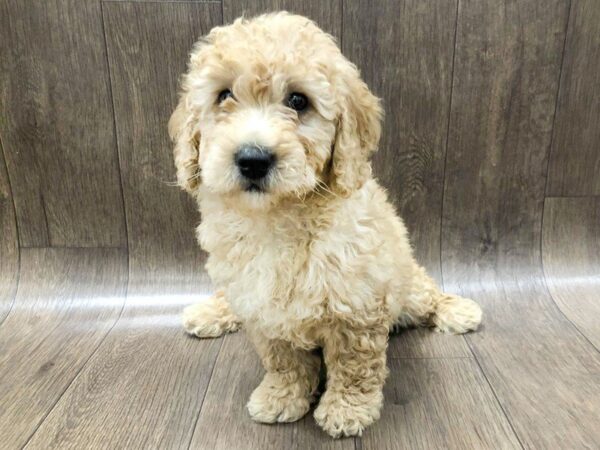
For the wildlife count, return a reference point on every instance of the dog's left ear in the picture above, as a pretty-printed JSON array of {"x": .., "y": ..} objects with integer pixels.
[
  {"x": 357, "y": 135},
  {"x": 185, "y": 136}
]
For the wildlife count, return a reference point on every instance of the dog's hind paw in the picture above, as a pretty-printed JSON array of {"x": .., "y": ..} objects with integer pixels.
[
  {"x": 210, "y": 318},
  {"x": 457, "y": 315}
]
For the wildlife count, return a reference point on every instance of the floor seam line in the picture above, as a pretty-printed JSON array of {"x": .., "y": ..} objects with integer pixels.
[
  {"x": 448, "y": 137},
  {"x": 206, "y": 391},
  {"x": 18, "y": 236},
  {"x": 556, "y": 100},
  {"x": 544, "y": 278},
  {"x": 493, "y": 391}
]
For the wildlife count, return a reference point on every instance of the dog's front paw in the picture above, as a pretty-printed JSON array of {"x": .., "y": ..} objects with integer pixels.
[
  {"x": 273, "y": 401},
  {"x": 347, "y": 415},
  {"x": 210, "y": 318}
]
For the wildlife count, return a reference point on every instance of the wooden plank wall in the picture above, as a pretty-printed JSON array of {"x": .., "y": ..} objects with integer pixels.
[
  {"x": 72, "y": 184},
  {"x": 58, "y": 125},
  {"x": 164, "y": 262},
  {"x": 492, "y": 214},
  {"x": 575, "y": 160},
  {"x": 491, "y": 152},
  {"x": 417, "y": 103}
]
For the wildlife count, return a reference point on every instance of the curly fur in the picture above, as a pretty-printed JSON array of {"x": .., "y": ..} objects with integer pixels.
[{"x": 320, "y": 259}]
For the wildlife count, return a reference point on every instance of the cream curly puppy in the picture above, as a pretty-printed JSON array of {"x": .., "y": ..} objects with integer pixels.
[{"x": 273, "y": 134}]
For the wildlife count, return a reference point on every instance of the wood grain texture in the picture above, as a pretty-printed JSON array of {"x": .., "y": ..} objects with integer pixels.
[
  {"x": 147, "y": 381},
  {"x": 423, "y": 342},
  {"x": 543, "y": 371},
  {"x": 145, "y": 68},
  {"x": 9, "y": 243},
  {"x": 57, "y": 125},
  {"x": 326, "y": 13},
  {"x": 415, "y": 88},
  {"x": 404, "y": 49},
  {"x": 82, "y": 365},
  {"x": 67, "y": 301},
  {"x": 571, "y": 255},
  {"x": 224, "y": 422},
  {"x": 165, "y": 1},
  {"x": 439, "y": 404},
  {"x": 143, "y": 388},
  {"x": 575, "y": 156},
  {"x": 505, "y": 84}
]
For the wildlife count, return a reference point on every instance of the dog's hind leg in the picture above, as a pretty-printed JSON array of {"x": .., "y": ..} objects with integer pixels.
[
  {"x": 210, "y": 318},
  {"x": 426, "y": 305},
  {"x": 455, "y": 314}
]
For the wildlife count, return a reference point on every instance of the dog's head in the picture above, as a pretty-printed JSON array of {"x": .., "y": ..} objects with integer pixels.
[{"x": 271, "y": 109}]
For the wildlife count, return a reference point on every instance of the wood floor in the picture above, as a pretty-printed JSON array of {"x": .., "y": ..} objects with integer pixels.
[
  {"x": 93, "y": 356},
  {"x": 491, "y": 152}
]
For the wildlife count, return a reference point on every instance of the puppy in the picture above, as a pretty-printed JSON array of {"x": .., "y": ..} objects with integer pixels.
[{"x": 273, "y": 134}]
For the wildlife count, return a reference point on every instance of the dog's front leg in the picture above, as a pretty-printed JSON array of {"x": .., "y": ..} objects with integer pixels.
[
  {"x": 355, "y": 358},
  {"x": 289, "y": 386}
]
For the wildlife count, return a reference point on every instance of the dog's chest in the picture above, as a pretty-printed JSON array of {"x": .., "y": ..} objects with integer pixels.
[
  {"x": 291, "y": 274},
  {"x": 273, "y": 273}
]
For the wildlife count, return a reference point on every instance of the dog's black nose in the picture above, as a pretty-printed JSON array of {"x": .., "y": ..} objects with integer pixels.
[{"x": 254, "y": 162}]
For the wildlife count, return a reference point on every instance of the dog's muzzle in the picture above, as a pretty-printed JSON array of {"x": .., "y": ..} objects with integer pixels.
[{"x": 254, "y": 164}]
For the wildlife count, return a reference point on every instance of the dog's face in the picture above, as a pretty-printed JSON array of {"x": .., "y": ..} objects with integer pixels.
[{"x": 271, "y": 109}]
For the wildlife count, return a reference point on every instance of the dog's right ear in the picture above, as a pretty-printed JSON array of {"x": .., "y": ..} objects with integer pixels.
[{"x": 186, "y": 137}]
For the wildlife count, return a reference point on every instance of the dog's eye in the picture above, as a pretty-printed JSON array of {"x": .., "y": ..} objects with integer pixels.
[
  {"x": 224, "y": 95},
  {"x": 297, "y": 101}
]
